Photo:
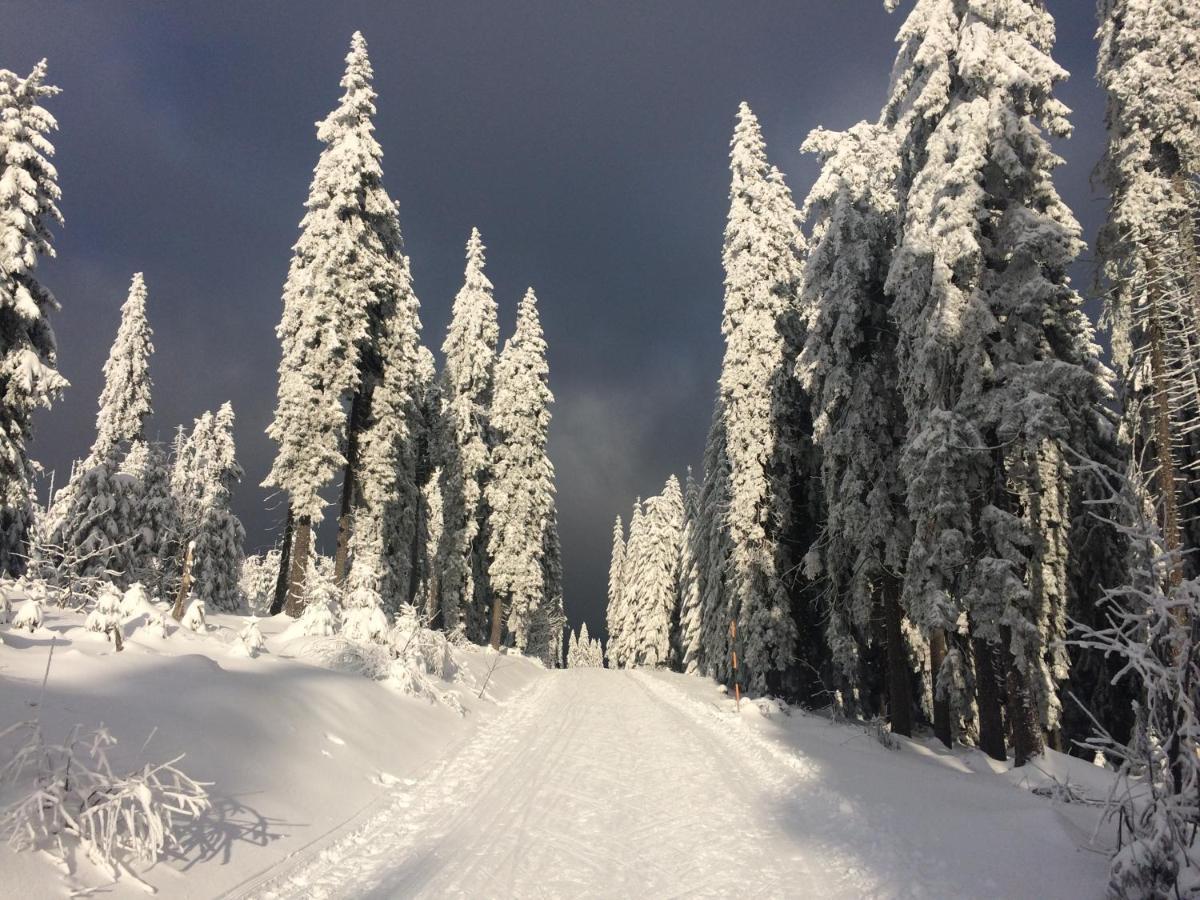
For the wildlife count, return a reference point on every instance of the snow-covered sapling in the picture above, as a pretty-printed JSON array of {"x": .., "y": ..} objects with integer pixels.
[
  {"x": 135, "y": 601},
  {"x": 29, "y": 616},
  {"x": 363, "y": 618},
  {"x": 195, "y": 619},
  {"x": 251, "y": 638}
]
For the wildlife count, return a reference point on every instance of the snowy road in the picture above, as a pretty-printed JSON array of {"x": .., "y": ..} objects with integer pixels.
[{"x": 617, "y": 784}]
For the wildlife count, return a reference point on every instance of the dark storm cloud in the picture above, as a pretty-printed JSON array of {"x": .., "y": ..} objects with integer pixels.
[{"x": 587, "y": 141}]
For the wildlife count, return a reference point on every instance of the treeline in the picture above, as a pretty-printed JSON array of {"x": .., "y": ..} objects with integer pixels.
[
  {"x": 446, "y": 507},
  {"x": 924, "y": 495}
]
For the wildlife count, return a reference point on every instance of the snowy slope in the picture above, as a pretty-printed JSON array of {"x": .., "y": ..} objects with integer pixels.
[
  {"x": 618, "y": 783},
  {"x": 296, "y": 750}
]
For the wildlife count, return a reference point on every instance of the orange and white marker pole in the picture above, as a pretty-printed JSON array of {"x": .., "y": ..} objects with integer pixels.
[{"x": 737, "y": 688}]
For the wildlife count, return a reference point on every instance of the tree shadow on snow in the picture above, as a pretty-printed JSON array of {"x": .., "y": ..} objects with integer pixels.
[{"x": 227, "y": 822}]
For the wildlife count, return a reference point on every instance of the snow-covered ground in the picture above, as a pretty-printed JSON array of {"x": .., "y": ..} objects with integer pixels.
[
  {"x": 577, "y": 783},
  {"x": 297, "y": 747}
]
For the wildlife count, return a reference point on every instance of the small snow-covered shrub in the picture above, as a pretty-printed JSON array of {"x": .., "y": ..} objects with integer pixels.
[
  {"x": 106, "y": 615},
  {"x": 257, "y": 581},
  {"x": 29, "y": 616},
  {"x": 195, "y": 618},
  {"x": 421, "y": 659},
  {"x": 159, "y": 625},
  {"x": 369, "y": 660},
  {"x": 320, "y": 616},
  {"x": 363, "y": 618},
  {"x": 251, "y": 639},
  {"x": 135, "y": 601},
  {"x": 68, "y": 794}
]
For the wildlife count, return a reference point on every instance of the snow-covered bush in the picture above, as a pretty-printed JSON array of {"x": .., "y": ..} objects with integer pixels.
[
  {"x": 135, "y": 601},
  {"x": 69, "y": 796},
  {"x": 363, "y": 618},
  {"x": 195, "y": 619},
  {"x": 250, "y": 639},
  {"x": 421, "y": 659},
  {"x": 320, "y": 617},
  {"x": 159, "y": 624},
  {"x": 29, "y": 616},
  {"x": 106, "y": 615},
  {"x": 257, "y": 581}
]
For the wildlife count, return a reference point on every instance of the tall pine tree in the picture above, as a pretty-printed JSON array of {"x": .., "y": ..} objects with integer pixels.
[
  {"x": 343, "y": 266},
  {"x": 520, "y": 492},
  {"x": 464, "y": 449},
  {"x": 29, "y": 377}
]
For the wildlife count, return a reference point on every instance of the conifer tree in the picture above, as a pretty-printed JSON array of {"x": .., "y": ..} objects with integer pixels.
[
  {"x": 848, "y": 368},
  {"x": 29, "y": 377},
  {"x": 520, "y": 492},
  {"x": 687, "y": 628},
  {"x": 219, "y": 538},
  {"x": 758, "y": 401},
  {"x": 622, "y": 641},
  {"x": 1149, "y": 64},
  {"x": 343, "y": 266},
  {"x": 125, "y": 401},
  {"x": 464, "y": 448},
  {"x": 154, "y": 517},
  {"x": 383, "y": 478},
  {"x": 713, "y": 556},
  {"x": 616, "y": 583},
  {"x": 656, "y": 588},
  {"x": 998, "y": 368}
]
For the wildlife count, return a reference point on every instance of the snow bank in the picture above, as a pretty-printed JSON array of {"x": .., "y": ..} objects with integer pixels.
[{"x": 297, "y": 743}]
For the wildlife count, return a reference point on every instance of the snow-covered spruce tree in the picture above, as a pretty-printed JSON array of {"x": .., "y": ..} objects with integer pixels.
[
  {"x": 89, "y": 533},
  {"x": 998, "y": 367},
  {"x": 687, "y": 629},
  {"x": 759, "y": 400},
  {"x": 520, "y": 491},
  {"x": 425, "y": 522},
  {"x": 655, "y": 590},
  {"x": 342, "y": 263},
  {"x": 29, "y": 377},
  {"x": 622, "y": 646},
  {"x": 551, "y": 619},
  {"x": 111, "y": 475},
  {"x": 1149, "y": 64},
  {"x": 125, "y": 401},
  {"x": 218, "y": 537},
  {"x": 848, "y": 369},
  {"x": 383, "y": 469},
  {"x": 713, "y": 555},
  {"x": 616, "y": 563},
  {"x": 464, "y": 449},
  {"x": 154, "y": 518}
]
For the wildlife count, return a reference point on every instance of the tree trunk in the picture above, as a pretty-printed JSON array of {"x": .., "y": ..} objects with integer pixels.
[
  {"x": 285, "y": 556},
  {"x": 899, "y": 680},
  {"x": 1026, "y": 732},
  {"x": 497, "y": 620},
  {"x": 1162, "y": 435},
  {"x": 299, "y": 567},
  {"x": 358, "y": 415},
  {"x": 941, "y": 706},
  {"x": 991, "y": 719},
  {"x": 185, "y": 584}
]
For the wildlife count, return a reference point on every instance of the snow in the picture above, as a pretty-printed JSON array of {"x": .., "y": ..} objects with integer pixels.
[
  {"x": 595, "y": 782},
  {"x": 579, "y": 782},
  {"x": 295, "y": 748}
]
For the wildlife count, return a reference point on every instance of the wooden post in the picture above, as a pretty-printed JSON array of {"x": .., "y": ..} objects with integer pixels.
[{"x": 737, "y": 687}]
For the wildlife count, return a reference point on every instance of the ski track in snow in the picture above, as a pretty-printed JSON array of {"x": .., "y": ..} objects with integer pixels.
[{"x": 617, "y": 784}]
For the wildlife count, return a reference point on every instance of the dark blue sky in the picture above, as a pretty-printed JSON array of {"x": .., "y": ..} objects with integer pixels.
[{"x": 587, "y": 141}]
